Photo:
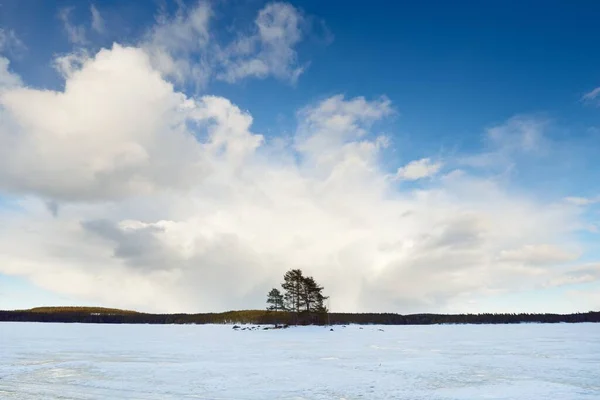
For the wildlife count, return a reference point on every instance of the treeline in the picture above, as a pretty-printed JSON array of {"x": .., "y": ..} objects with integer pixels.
[
  {"x": 434, "y": 319},
  {"x": 262, "y": 317},
  {"x": 98, "y": 310}
]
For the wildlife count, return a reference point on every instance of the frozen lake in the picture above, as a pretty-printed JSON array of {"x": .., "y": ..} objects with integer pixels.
[{"x": 79, "y": 361}]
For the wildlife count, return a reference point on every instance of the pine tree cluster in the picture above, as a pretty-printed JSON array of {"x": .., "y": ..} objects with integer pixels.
[{"x": 302, "y": 295}]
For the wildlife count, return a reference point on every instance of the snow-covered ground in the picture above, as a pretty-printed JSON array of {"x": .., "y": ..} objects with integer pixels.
[{"x": 79, "y": 361}]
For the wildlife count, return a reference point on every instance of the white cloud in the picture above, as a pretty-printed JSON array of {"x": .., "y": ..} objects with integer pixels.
[
  {"x": 269, "y": 51},
  {"x": 326, "y": 128},
  {"x": 183, "y": 48},
  {"x": 173, "y": 41},
  {"x": 91, "y": 141},
  {"x": 97, "y": 20},
  {"x": 8, "y": 79},
  {"x": 70, "y": 63},
  {"x": 9, "y": 43},
  {"x": 203, "y": 214},
  {"x": 418, "y": 169},
  {"x": 75, "y": 33},
  {"x": 232, "y": 238}
]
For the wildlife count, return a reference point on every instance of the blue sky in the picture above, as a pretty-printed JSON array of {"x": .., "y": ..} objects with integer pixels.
[{"x": 477, "y": 120}]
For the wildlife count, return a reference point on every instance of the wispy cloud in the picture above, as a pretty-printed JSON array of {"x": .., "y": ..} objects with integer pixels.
[
  {"x": 582, "y": 201},
  {"x": 541, "y": 254},
  {"x": 10, "y": 42},
  {"x": 581, "y": 274},
  {"x": 69, "y": 63},
  {"x": 520, "y": 133},
  {"x": 268, "y": 49},
  {"x": 75, "y": 33},
  {"x": 174, "y": 40},
  {"x": 591, "y": 95},
  {"x": 97, "y": 20},
  {"x": 520, "y": 136}
]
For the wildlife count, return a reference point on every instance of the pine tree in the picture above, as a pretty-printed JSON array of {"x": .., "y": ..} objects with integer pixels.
[
  {"x": 313, "y": 296},
  {"x": 275, "y": 300},
  {"x": 303, "y": 296},
  {"x": 293, "y": 282}
]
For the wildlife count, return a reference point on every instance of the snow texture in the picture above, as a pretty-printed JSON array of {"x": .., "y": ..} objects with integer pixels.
[{"x": 81, "y": 361}]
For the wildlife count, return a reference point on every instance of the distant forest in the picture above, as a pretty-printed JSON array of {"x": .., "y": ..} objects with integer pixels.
[{"x": 262, "y": 317}]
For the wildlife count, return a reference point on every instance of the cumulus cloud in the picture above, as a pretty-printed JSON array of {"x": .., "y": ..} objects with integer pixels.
[
  {"x": 223, "y": 246},
  {"x": 117, "y": 129},
  {"x": 172, "y": 203},
  {"x": 418, "y": 169}
]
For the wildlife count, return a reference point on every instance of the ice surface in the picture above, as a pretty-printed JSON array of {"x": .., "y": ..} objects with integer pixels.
[{"x": 81, "y": 361}]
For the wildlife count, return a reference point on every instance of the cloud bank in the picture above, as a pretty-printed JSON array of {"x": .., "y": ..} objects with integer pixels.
[{"x": 135, "y": 194}]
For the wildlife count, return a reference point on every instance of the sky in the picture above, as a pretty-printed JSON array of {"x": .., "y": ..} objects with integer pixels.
[{"x": 180, "y": 156}]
